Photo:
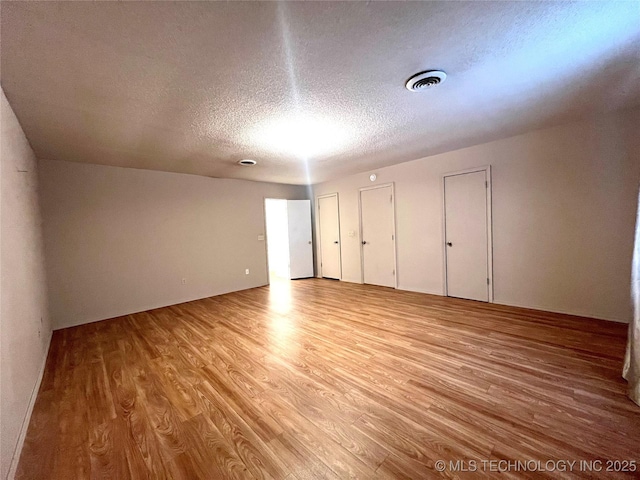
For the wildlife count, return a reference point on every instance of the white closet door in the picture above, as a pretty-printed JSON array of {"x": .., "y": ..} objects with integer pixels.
[
  {"x": 329, "y": 236},
  {"x": 378, "y": 236},
  {"x": 466, "y": 236}
]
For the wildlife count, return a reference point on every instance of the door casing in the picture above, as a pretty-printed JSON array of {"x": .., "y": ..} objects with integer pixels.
[{"x": 265, "y": 238}]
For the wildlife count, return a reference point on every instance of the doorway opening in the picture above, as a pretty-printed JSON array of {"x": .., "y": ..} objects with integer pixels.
[
  {"x": 289, "y": 243},
  {"x": 277, "y": 239}
]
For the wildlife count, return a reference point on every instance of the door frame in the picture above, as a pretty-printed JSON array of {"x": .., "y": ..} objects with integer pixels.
[
  {"x": 319, "y": 230},
  {"x": 395, "y": 236},
  {"x": 487, "y": 170},
  {"x": 266, "y": 237}
]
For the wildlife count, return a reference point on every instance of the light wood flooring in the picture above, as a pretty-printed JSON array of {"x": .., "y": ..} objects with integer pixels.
[{"x": 318, "y": 379}]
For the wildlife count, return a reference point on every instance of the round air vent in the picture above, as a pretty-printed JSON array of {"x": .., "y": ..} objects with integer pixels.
[
  {"x": 247, "y": 162},
  {"x": 424, "y": 80}
]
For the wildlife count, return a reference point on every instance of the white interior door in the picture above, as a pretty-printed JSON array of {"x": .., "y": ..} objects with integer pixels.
[
  {"x": 378, "y": 236},
  {"x": 300, "y": 247},
  {"x": 467, "y": 235},
  {"x": 329, "y": 236}
]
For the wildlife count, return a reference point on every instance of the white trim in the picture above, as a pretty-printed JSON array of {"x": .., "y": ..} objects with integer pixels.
[
  {"x": 266, "y": 237},
  {"x": 13, "y": 465},
  {"x": 489, "y": 232},
  {"x": 443, "y": 237},
  {"x": 319, "y": 232},
  {"x": 574, "y": 313},
  {"x": 487, "y": 170},
  {"x": 395, "y": 236}
]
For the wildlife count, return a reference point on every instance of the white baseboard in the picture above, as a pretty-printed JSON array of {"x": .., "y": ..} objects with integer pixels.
[
  {"x": 574, "y": 313},
  {"x": 27, "y": 417}
]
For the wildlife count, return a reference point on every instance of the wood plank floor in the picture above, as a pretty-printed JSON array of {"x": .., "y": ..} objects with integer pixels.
[{"x": 318, "y": 379}]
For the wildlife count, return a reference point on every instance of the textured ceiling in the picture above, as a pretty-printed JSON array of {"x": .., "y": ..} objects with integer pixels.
[{"x": 312, "y": 91}]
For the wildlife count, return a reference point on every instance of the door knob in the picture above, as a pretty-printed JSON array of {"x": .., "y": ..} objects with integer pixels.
[
  {"x": 364, "y": 242},
  {"x": 450, "y": 244},
  {"x": 335, "y": 242}
]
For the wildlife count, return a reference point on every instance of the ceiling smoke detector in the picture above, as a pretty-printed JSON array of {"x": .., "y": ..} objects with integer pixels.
[
  {"x": 247, "y": 162},
  {"x": 424, "y": 80}
]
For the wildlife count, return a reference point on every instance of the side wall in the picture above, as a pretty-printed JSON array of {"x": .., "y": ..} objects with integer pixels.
[
  {"x": 25, "y": 329},
  {"x": 564, "y": 203},
  {"x": 122, "y": 240}
]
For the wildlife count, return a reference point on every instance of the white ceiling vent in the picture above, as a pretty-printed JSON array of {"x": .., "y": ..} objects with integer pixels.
[
  {"x": 247, "y": 162},
  {"x": 424, "y": 80}
]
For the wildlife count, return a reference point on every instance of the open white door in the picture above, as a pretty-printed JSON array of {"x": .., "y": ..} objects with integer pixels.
[
  {"x": 300, "y": 244},
  {"x": 377, "y": 224},
  {"x": 329, "y": 236},
  {"x": 467, "y": 235}
]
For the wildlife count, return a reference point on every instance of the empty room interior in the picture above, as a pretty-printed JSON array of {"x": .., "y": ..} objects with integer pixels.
[{"x": 320, "y": 240}]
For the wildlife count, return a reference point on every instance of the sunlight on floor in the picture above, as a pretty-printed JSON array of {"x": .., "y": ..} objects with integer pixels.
[
  {"x": 281, "y": 325},
  {"x": 280, "y": 299}
]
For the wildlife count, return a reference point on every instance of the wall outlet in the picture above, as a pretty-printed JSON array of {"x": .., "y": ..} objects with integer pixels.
[
  {"x": 246, "y": 272},
  {"x": 184, "y": 281}
]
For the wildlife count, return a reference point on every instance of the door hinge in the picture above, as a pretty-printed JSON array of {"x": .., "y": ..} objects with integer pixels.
[
  {"x": 486, "y": 184},
  {"x": 394, "y": 272},
  {"x": 487, "y": 281},
  {"x": 393, "y": 237},
  {"x": 390, "y": 198}
]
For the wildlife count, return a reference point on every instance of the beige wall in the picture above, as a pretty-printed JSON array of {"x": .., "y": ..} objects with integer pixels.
[
  {"x": 563, "y": 216},
  {"x": 121, "y": 240},
  {"x": 25, "y": 329}
]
